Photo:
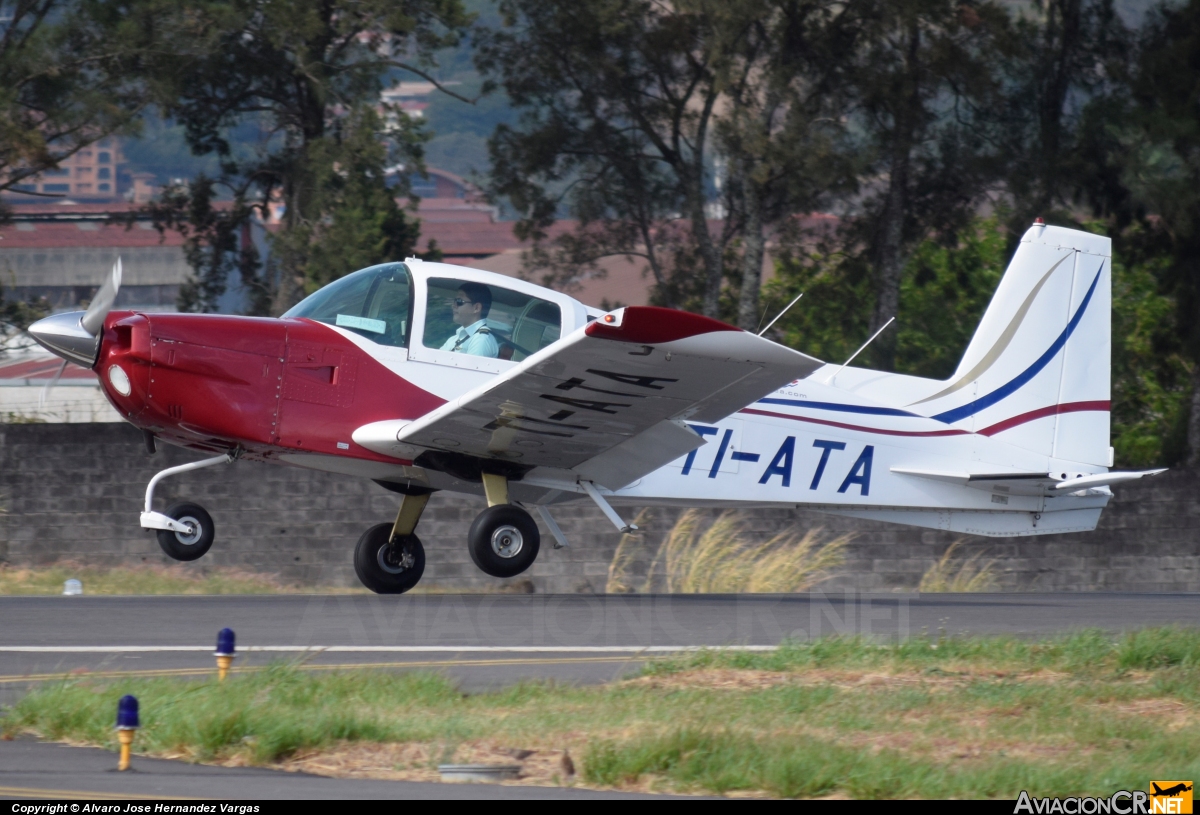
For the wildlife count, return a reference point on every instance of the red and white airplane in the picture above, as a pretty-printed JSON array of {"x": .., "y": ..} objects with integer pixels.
[{"x": 428, "y": 376}]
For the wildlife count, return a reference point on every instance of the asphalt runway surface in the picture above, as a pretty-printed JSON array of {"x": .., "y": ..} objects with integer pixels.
[{"x": 479, "y": 641}]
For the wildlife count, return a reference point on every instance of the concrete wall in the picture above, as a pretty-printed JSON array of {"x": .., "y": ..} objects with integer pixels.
[{"x": 74, "y": 491}]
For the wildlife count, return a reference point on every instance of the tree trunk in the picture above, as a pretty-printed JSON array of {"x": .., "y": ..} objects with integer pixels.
[
  {"x": 890, "y": 256},
  {"x": 713, "y": 272},
  {"x": 754, "y": 245}
]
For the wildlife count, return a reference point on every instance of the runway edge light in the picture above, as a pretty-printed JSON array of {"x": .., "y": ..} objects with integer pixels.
[
  {"x": 127, "y": 725},
  {"x": 225, "y": 652}
]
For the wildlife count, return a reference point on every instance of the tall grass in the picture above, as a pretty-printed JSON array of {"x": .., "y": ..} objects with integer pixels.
[
  {"x": 952, "y": 574},
  {"x": 724, "y": 557},
  {"x": 620, "y": 581}
]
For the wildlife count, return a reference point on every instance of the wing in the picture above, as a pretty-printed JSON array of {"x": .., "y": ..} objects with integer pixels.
[{"x": 607, "y": 402}]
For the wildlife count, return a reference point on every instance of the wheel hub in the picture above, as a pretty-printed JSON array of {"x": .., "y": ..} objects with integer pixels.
[
  {"x": 194, "y": 531},
  {"x": 394, "y": 558},
  {"x": 507, "y": 541}
]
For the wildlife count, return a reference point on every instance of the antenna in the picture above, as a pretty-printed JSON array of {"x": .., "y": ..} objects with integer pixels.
[
  {"x": 780, "y": 314},
  {"x": 829, "y": 381}
]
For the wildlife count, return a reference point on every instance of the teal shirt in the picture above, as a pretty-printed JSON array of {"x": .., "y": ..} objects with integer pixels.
[{"x": 476, "y": 339}]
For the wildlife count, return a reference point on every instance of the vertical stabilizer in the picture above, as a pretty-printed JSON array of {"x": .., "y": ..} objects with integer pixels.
[{"x": 1036, "y": 373}]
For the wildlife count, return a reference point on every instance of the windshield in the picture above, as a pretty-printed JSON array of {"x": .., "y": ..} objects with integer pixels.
[{"x": 375, "y": 302}]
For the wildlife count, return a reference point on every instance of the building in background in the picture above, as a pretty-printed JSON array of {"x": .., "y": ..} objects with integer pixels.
[
  {"x": 61, "y": 251},
  {"x": 98, "y": 173}
]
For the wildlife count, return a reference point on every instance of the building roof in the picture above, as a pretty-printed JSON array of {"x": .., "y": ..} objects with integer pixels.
[{"x": 35, "y": 366}]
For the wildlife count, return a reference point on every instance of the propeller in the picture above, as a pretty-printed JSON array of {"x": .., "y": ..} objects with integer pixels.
[
  {"x": 50, "y": 385},
  {"x": 75, "y": 335},
  {"x": 93, "y": 319}
]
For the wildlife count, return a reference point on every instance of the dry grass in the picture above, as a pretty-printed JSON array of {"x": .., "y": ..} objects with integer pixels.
[
  {"x": 952, "y": 574},
  {"x": 619, "y": 579},
  {"x": 724, "y": 558},
  {"x": 144, "y": 579}
]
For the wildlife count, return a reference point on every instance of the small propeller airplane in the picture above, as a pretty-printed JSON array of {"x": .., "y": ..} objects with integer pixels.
[{"x": 428, "y": 376}]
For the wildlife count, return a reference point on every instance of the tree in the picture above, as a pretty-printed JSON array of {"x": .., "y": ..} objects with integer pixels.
[
  {"x": 309, "y": 71},
  {"x": 634, "y": 111},
  {"x": 1162, "y": 170},
  {"x": 1065, "y": 59},
  {"x": 924, "y": 79},
  {"x": 69, "y": 76}
]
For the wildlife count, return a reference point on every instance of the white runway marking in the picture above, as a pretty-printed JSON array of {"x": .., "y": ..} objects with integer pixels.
[{"x": 390, "y": 649}]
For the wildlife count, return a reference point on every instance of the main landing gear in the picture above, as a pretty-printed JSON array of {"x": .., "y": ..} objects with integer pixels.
[
  {"x": 389, "y": 558},
  {"x": 504, "y": 540},
  {"x": 185, "y": 531}
]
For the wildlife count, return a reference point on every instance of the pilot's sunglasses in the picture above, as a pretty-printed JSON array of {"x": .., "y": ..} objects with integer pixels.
[{"x": 459, "y": 302}]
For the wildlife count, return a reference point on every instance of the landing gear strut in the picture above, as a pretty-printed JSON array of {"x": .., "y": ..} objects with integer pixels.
[
  {"x": 185, "y": 531},
  {"x": 389, "y": 558},
  {"x": 504, "y": 540}
]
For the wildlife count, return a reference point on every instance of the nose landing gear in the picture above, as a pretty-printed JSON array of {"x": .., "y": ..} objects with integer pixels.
[{"x": 185, "y": 531}]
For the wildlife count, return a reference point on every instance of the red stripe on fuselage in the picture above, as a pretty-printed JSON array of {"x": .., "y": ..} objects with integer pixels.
[
  {"x": 999, "y": 427},
  {"x": 844, "y": 426},
  {"x": 1041, "y": 413}
]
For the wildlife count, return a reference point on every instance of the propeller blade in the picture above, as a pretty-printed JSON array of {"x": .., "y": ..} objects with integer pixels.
[
  {"x": 102, "y": 303},
  {"x": 50, "y": 385}
]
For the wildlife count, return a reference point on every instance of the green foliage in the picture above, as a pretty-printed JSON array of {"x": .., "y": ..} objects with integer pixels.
[
  {"x": 361, "y": 223},
  {"x": 1149, "y": 373},
  {"x": 308, "y": 74},
  {"x": 943, "y": 294}
]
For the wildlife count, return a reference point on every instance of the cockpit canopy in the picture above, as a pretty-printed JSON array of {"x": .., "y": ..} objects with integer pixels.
[{"x": 460, "y": 315}]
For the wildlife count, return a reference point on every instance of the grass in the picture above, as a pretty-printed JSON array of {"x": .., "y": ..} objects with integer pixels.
[
  {"x": 952, "y": 574},
  {"x": 725, "y": 557},
  {"x": 137, "y": 580},
  {"x": 971, "y": 717}
]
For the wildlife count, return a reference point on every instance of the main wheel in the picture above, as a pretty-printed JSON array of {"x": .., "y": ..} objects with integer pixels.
[
  {"x": 190, "y": 545},
  {"x": 388, "y": 568},
  {"x": 504, "y": 540}
]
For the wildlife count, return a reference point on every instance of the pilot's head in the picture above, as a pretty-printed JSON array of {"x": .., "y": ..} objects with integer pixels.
[{"x": 472, "y": 303}]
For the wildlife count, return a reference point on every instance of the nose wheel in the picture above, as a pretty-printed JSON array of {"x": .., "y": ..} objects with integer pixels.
[
  {"x": 194, "y": 540},
  {"x": 386, "y": 565},
  {"x": 504, "y": 540}
]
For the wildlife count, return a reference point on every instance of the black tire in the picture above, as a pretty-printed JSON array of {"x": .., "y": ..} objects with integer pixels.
[
  {"x": 388, "y": 568},
  {"x": 504, "y": 540},
  {"x": 182, "y": 546}
]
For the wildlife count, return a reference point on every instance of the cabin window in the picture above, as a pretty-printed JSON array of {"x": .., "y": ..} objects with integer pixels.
[
  {"x": 485, "y": 320},
  {"x": 375, "y": 303}
]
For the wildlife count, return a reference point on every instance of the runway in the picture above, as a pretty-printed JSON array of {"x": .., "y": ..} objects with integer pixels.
[
  {"x": 480, "y": 641},
  {"x": 486, "y": 641}
]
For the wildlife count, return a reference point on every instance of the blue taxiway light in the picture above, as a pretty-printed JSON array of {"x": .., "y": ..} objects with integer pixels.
[
  {"x": 127, "y": 713},
  {"x": 225, "y": 642}
]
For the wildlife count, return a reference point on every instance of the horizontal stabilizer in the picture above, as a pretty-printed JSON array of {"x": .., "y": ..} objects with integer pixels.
[{"x": 1028, "y": 483}]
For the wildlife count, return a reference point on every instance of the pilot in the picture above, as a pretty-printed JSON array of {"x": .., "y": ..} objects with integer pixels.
[{"x": 470, "y": 308}]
